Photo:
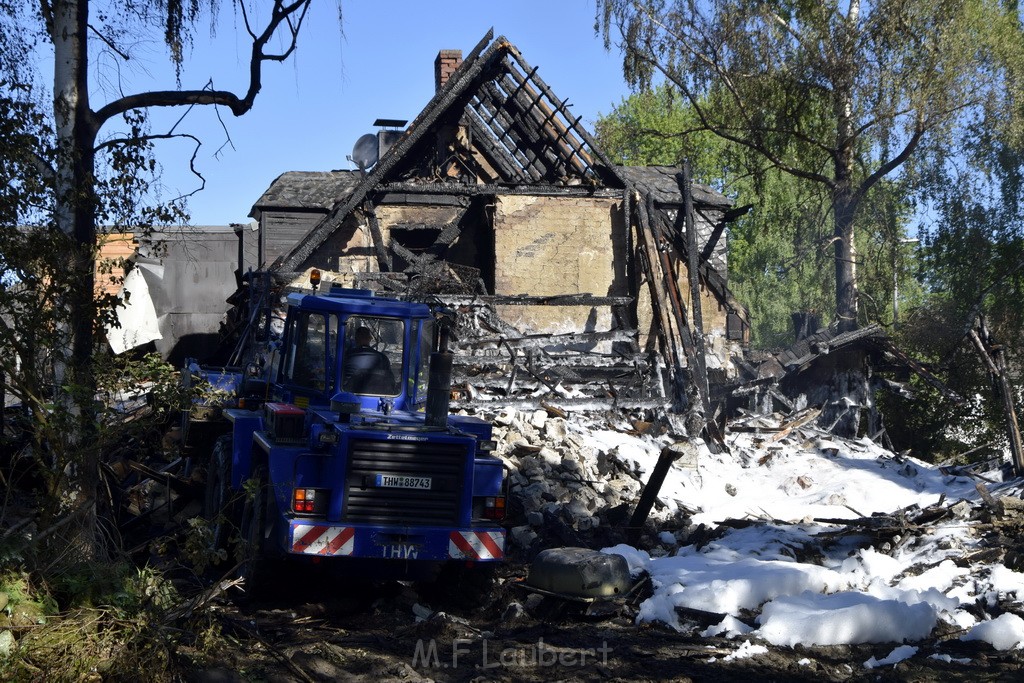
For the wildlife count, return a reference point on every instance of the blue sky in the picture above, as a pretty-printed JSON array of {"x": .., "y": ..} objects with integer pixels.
[{"x": 378, "y": 64}]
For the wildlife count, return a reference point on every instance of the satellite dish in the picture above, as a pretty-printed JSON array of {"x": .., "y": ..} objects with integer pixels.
[{"x": 364, "y": 154}]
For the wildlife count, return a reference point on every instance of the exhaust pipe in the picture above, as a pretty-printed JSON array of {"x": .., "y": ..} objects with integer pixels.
[{"x": 439, "y": 383}]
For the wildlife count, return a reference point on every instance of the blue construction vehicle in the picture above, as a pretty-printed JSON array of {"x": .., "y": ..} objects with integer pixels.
[{"x": 350, "y": 453}]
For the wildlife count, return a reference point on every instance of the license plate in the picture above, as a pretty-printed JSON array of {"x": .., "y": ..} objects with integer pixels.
[{"x": 394, "y": 481}]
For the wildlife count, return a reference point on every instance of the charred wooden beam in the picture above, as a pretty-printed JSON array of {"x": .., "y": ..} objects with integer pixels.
[
  {"x": 495, "y": 107},
  {"x": 416, "y": 226},
  {"x": 583, "y": 362},
  {"x": 889, "y": 347},
  {"x": 492, "y": 141},
  {"x": 416, "y": 262},
  {"x": 652, "y": 262},
  {"x": 536, "y": 341},
  {"x": 669, "y": 454},
  {"x": 529, "y": 123},
  {"x": 495, "y": 155},
  {"x": 379, "y": 248},
  {"x": 528, "y": 300},
  {"x": 716, "y": 234},
  {"x": 449, "y": 233},
  {"x": 693, "y": 274},
  {"x": 549, "y": 114},
  {"x": 439, "y": 197},
  {"x": 549, "y": 127},
  {"x": 577, "y": 130},
  {"x": 543, "y": 189}
]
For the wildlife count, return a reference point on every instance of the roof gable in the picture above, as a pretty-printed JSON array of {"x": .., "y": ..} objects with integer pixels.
[
  {"x": 494, "y": 123},
  {"x": 495, "y": 120}
]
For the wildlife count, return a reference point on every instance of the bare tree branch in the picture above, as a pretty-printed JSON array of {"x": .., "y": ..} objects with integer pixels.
[
  {"x": 284, "y": 13},
  {"x": 890, "y": 165},
  {"x": 109, "y": 43}
]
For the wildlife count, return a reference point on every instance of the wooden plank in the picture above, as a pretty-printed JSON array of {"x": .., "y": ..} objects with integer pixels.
[
  {"x": 383, "y": 258},
  {"x": 584, "y": 299},
  {"x": 536, "y": 341},
  {"x": 645, "y": 240},
  {"x": 796, "y": 424},
  {"x": 992, "y": 354}
]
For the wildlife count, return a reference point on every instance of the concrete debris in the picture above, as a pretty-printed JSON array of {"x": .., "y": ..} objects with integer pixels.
[
  {"x": 566, "y": 489},
  {"x": 571, "y": 485}
]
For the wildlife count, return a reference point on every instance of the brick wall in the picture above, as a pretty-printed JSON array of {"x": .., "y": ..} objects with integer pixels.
[
  {"x": 113, "y": 249},
  {"x": 558, "y": 245}
]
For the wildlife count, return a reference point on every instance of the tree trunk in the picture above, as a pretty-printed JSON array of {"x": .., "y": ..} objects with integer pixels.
[
  {"x": 845, "y": 257},
  {"x": 844, "y": 198},
  {"x": 75, "y": 211}
]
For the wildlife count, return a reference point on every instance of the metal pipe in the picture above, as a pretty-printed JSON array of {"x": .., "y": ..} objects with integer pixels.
[{"x": 439, "y": 382}]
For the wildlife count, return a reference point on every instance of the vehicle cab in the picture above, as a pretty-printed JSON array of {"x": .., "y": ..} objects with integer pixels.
[{"x": 350, "y": 346}]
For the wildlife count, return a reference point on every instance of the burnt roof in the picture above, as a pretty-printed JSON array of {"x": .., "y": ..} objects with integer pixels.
[
  {"x": 660, "y": 183},
  {"x": 519, "y": 131},
  {"x": 310, "y": 190}
]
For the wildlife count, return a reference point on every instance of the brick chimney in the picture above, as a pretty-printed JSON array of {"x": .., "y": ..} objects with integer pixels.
[{"x": 445, "y": 65}]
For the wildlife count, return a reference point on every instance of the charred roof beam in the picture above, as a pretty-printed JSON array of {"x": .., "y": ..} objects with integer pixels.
[
  {"x": 497, "y": 103},
  {"x": 501, "y": 158},
  {"x": 608, "y": 171},
  {"x": 557, "y": 130},
  {"x": 497, "y": 137},
  {"x": 529, "y": 120}
]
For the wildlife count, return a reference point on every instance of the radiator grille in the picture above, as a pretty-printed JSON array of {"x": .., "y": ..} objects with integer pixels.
[{"x": 443, "y": 463}]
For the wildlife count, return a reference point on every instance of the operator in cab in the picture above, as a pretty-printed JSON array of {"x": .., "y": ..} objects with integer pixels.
[{"x": 366, "y": 370}]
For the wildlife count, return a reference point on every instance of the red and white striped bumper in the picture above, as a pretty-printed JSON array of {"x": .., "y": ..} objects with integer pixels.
[
  {"x": 476, "y": 545},
  {"x": 321, "y": 539},
  {"x": 314, "y": 537}
]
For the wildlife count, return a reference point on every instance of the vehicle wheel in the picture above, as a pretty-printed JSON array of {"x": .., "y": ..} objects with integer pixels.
[
  {"x": 253, "y": 567},
  {"x": 219, "y": 503}
]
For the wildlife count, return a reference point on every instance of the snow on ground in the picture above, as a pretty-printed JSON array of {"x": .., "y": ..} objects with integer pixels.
[{"x": 783, "y": 581}]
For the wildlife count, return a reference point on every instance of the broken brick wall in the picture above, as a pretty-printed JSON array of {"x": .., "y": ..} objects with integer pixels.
[{"x": 558, "y": 245}]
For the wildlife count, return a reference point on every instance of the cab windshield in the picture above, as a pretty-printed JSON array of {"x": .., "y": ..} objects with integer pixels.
[{"x": 373, "y": 356}]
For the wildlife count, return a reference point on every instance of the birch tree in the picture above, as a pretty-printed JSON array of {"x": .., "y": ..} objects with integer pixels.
[
  {"x": 843, "y": 94},
  {"x": 82, "y": 140}
]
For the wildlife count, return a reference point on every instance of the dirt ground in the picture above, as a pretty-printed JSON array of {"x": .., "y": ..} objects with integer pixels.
[{"x": 318, "y": 628}]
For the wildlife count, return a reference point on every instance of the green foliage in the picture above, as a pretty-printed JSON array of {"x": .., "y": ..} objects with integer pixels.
[
  {"x": 655, "y": 128},
  {"x": 23, "y": 598},
  {"x": 932, "y": 426},
  {"x": 779, "y": 253},
  {"x": 198, "y": 547},
  {"x": 114, "y": 620},
  {"x": 845, "y": 96}
]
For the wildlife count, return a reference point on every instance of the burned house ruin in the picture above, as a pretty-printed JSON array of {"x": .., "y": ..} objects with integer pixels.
[{"x": 572, "y": 272}]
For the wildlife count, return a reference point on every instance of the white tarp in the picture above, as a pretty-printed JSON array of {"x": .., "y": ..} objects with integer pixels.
[{"x": 136, "y": 315}]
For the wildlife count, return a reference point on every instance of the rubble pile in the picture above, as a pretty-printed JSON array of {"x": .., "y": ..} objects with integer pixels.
[{"x": 565, "y": 487}]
